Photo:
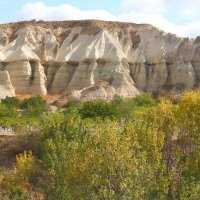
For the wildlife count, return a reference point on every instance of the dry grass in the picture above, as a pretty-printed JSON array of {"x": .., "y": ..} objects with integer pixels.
[
  {"x": 49, "y": 96},
  {"x": 52, "y": 96},
  {"x": 24, "y": 96}
]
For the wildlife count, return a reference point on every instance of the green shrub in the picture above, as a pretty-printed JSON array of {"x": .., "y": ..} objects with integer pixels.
[
  {"x": 97, "y": 108},
  {"x": 33, "y": 107},
  {"x": 35, "y": 101},
  {"x": 6, "y": 112},
  {"x": 14, "y": 184},
  {"x": 11, "y": 102}
]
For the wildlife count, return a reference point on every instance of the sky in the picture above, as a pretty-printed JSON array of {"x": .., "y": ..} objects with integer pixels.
[{"x": 181, "y": 17}]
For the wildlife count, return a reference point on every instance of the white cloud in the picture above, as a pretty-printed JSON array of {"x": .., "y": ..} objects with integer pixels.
[
  {"x": 155, "y": 19},
  {"x": 185, "y": 14},
  {"x": 39, "y": 10},
  {"x": 178, "y": 16},
  {"x": 192, "y": 29},
  {"x": 147, "y": 6},
  {"x": 184, "y": 9}
]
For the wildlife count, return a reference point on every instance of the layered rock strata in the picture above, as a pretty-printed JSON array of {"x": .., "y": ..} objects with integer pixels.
[
  {"x": 6, "y": 88},
  {"x": 95, "y": 59}
]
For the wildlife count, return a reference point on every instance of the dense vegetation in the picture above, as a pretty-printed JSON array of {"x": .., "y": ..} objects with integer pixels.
[{"x": 140, "y": 148}]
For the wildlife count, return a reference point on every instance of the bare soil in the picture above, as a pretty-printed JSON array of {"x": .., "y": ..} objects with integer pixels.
[{"x": 10, "y": 146}]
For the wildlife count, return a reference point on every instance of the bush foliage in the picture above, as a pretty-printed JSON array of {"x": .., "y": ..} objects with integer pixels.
[{"x": 139, "y": 148}]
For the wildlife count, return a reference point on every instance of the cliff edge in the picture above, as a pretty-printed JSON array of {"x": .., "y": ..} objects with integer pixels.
[{"x": 92, "y": 59}]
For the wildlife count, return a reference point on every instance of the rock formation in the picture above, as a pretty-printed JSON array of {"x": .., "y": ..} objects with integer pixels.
[
  {"x": 95, "y": 59},
  {"x": 6, "y": 88}
]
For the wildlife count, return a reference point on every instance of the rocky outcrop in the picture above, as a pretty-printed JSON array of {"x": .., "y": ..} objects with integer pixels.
[
  {"x": 6, "y": 88},
  {"x": 95, "y": 59}
]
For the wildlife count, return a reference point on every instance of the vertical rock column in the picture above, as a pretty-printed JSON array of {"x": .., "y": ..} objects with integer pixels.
[
  {"x": 38, "y": 79},
  {"x": 139, "y": 74},
  {"x": 183, "y": 75},
  {"x": 27, "y": 78},
  {"x": 6, "y": 88},
  {"x": 20, "y": 74},
  {"x": 62, "y": 77}
]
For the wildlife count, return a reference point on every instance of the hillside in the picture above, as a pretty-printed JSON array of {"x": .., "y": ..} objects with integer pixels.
[{"x": 95, "y": 59}]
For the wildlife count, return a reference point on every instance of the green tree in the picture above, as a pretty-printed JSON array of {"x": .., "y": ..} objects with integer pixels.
[
  {"x": 188, "y": 115},
  {"x": 125, "y": 108}
]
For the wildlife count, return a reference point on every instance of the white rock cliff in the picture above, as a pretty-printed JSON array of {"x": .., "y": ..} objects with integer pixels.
[{"x": 94, "y": 59}]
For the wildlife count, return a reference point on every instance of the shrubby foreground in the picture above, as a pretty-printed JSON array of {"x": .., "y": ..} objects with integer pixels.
[{"x": 140, "y": 148}]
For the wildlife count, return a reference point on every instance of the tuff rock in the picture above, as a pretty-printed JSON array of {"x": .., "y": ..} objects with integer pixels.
[{"x": 95, "y": 59}]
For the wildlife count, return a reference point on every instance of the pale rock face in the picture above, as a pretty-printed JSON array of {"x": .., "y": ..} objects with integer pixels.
[
  {"x": 82, "y": 77},
  {"x": 39, "y": 81},
  {"x": 61, "y": 79},
  {"x": 183, "y": 75},
  {"x": 6, "y": 88},
  {"x": 50, "y": 48},
  {"x": 27, "y": 78},
  {"x": 101, "y": 93},
  {"x": 157, "y": 77},
  {"x": 196, "y": 66},
  {"x": 50, "y": 74},
  {"x": 20, "y": 75},
  {"x": 95, "y": 59},
  {"x": 139, "y": 74}
]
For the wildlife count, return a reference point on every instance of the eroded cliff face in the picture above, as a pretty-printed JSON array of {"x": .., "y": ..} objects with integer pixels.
[{"x": 95, "y": 59}]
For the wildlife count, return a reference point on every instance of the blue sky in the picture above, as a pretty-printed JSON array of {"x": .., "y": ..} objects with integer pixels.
[
  {"x": 14, "y": 6},
  {"x": 181, "y": 17}
]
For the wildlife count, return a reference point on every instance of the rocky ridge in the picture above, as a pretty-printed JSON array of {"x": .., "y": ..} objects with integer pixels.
[{"x": 95, "y": 59}]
